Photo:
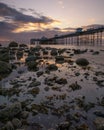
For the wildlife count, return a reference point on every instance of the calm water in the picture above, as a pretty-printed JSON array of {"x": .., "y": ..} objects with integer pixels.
[{"x": 89, "y": 89}]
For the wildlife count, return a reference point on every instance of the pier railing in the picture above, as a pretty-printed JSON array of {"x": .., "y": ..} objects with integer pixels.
[{"x": 87, "y": 37}]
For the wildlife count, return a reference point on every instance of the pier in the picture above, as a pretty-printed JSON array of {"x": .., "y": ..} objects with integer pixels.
[{"x": 87, "y": 37}]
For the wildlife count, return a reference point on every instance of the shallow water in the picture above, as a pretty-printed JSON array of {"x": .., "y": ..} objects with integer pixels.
[{"x": 89, "y": 89}]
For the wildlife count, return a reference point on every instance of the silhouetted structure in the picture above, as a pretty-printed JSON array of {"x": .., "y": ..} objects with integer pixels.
[{"x": 80, "y": 37}]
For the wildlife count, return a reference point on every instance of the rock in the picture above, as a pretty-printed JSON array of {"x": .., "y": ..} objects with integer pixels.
[
  {"x": 32, "y": 66},
  {"x": 34, "y": 112},
  {"x": 61, "y": 51},
  {"x": 99, "y": 73},
  {"x": 100, "y": 83},
  {"x": 50, "y": 80},
  {"x": 23, "y": 45},
  {"x": 39, "y": 108},
  {"x": 13, "y": 44},
  {"x": 64, "y": 126},
  {"x": 99, "y": 123},
  {"x": 75, "y": 86},
  {"x": 34, "y": 91},
  {"x": 88, "y": 106},
  {"x": 10, "y": 112},
  {"x": 80, "y": 101},
  {"x": 77, "y": 74},
  {"x": 95, "y": 53},
  {"x": 30, "y": 58},
  {"x": 54, "y": 52},
  {"x": 9, "y": 126},
  {"x": 34, "y": 84},
  {"x": 37, "y": 54},
  {"x": 39, "y": 73},
  {"x": 5, "y": 69},
  {"x": 99, "y": 113},
  {"x": 102, "y": 101},
  {"x": 19, "y": 54},
  {"x": 46, "y": 88},
  {"x": 61, "y": 81},
  {"x": 24, "y": 114},
  {"x": 16, "y": 123},
  {"x": 52, "y": 67},
  {"x": 16, "y": 109},
  {"x": 56, "y": 88},
  {"x": 59, "y": 59},
  {"x": 45, "y": 52},
  {"x": 4, "y": 55},
  {"x": 78, "y": 51},
  {"x": 82, "y": 62},
  {"x": 83, "y": 127}
]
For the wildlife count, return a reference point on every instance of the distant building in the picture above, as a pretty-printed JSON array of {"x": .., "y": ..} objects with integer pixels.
[
  {"x": 38, "y": 41},
  {"x": 79, "y": 29}
]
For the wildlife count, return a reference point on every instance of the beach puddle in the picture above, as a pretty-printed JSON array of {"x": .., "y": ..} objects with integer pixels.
[{"x": 58, "y": 94}]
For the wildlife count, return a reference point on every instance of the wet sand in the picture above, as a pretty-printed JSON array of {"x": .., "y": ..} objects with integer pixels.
[{"x": 53, "y": 102}]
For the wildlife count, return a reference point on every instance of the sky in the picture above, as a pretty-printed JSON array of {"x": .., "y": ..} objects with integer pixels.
[{"x": 21, "y": 20}]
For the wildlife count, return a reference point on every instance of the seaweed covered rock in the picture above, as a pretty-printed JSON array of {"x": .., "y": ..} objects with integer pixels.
[
  {"x": 10, "y": 112},
  {"x": 19, "y": 54},
  {"x": 75, "y": 86},
  {"x": 99, "y": 123},
  {"x": 45, "y": 52},
  {"x": 52, "y": 67},
  {"x": 54, "y": 52},
  {"x": 9, "y": 126},
  {"x": 34, "y": 91},
  {"x": 34, "y": 84},
  {"x": 32, "y": 66},
  {"x": 23, "y": 45},
  {"x": 32, "y": 58},
  {"x": 59, "y": 59},
  {"x": 64, "y": 126},
  {"x": 24, "y": 114},
  {"x": 13, "y": 44},
  {"x": 39, "y": 73},
  {"x": 5, "y": 69},
  {"x": 61, "y": 81},
  {"x": 95, "y": 53},
  {"x": 78, "y": 51},
  {"x": 4, "y": 55},
  {"x": 16, "y": 123},
  {"x": 82, "y": 62}
]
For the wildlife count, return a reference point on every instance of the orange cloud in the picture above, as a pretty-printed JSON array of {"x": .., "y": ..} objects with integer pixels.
[{"x": 35, "y": 26}]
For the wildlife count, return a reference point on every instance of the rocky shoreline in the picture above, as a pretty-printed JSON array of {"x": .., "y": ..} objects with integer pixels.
[{"x": 45, "y": 88}]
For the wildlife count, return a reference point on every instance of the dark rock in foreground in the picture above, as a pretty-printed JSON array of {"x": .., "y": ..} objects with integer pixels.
[
  {"x": 82, "y": 62},
  {"x": 61, "y": 81},
  {"x": 99, "y": 122},
  {"x": 5, "y": 69},
  {"x": 59, "y": 59},
  {"x": 75, "y": 86},
  {"x": 32, "y": 66},
  {"x": 52, "y": 67}
]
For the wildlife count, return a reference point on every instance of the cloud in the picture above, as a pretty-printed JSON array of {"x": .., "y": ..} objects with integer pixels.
[
  {"x": 23, "y": 10},
  {"x": 16, "y": 16},
  {"x": 14, "y": 25}
]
